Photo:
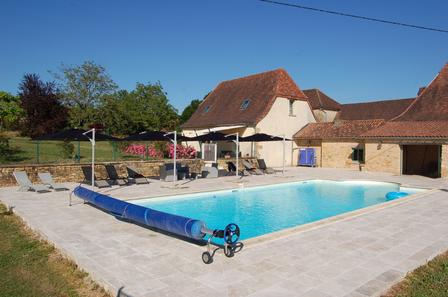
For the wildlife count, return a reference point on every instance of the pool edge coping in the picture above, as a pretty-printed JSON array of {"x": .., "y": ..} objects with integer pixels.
[{"x": 280, "y": 234}]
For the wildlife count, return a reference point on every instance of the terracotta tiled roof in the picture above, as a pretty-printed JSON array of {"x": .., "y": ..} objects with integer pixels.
[
  {"x": 222, "y": 107},
  {"x": 319, "y": 100},
  {"x": 426, "y": 117},
  {"x": 432, "y": 103},
  {"x": 410, "y": 129},
  {"x": 338, "y": 129},
  {"x": 386, "y": 109}
]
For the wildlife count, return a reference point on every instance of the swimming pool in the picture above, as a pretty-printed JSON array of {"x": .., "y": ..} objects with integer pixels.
[{"x": 266, "y": 209}]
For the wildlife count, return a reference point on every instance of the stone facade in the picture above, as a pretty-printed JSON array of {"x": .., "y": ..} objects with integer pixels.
[
  {"x": 384, "y": 157},
  {"x": 339, "y": 155},
  {"x": 444, "y": 161},
  {"x": 316, "y": 144}
]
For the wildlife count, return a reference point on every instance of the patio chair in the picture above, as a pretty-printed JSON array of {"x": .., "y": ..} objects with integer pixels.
[
  {"x": 26, "y": 185},
  {"x": 262, "y": 166},
  {"x": 166, "y": 171},
  {"x": 113, "y": 175},
  {"x": 100, "y": 183},
  {"x": 251, "y": 168},
  {"x": 134, "y": 176},
  {"x": 47, "y": 180}
]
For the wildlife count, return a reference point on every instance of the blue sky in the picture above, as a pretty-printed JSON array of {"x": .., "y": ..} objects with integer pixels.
[{"x": 190, "y": 46}]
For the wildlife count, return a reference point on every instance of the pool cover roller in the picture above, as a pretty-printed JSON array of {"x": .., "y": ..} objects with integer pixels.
[{"x": 175, "y": 224}]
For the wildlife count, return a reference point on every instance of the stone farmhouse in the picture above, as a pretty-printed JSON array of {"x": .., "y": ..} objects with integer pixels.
[{"x": 401, "y": 136}]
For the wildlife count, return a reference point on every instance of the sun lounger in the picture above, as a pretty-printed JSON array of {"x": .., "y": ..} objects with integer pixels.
[
  {"x": 47, "y": 180},
  {"x": 113, "y": 175},
  {"x": 26, "y": 185},
  {"x": 100, "y": 183},
  {"x": 251, "y": 168},
  {"x": 135, "y": 177},
  {"x": 262, "y": 166}
]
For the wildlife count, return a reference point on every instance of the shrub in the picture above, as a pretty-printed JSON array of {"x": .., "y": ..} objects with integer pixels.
[
  {"x": 182, "y": 152},
  {"x": 67, "y": 149}
]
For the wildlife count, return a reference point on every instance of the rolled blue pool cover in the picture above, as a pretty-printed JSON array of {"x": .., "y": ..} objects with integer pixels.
[
  {"x": 395, "y": 195},
  {"x": 179, "y": 225}
]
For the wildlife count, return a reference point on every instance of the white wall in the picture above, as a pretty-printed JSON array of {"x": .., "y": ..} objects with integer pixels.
[{"x": 278, "y": 122}]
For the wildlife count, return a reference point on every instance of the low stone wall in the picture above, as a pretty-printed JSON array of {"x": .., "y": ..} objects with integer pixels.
[
  {"x": 73, "y": 172},
  {"x": 222, "y": 163}
]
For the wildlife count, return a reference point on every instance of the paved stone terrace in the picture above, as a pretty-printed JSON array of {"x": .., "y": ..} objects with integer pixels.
[{"x": 359, "y": 256}]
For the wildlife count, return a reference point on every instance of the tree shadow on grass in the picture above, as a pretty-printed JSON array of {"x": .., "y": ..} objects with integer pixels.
[{"x": 12, "y": 155}]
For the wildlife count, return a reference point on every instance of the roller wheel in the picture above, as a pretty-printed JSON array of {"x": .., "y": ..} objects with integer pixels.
[
  {"x": 207, "y": 258},
  {"x": 231, "y": 234},
  {"x": 229, "y": 252}
]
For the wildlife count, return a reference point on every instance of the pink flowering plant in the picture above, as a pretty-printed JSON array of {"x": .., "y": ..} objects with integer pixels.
[
  {"x": 143, "y": 151},
  {"x": 183, "y": 152}
]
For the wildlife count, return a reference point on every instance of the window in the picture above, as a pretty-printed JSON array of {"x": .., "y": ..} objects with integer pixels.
[
  {"x": 291, "y": 107},
  {"x": 206, "y": 109},
  {"x": 245, "y": 104},
  {"x": 358, "y": 155}
]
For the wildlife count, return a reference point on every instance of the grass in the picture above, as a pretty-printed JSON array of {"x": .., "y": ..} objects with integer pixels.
[
  {"x": 430, "y": 280},
  {"x": 23, "y": 150},
  {"x": 30, "y": 267}
]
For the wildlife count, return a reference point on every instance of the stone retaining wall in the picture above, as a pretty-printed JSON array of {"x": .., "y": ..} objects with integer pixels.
[{"x": 73, "y": 172}]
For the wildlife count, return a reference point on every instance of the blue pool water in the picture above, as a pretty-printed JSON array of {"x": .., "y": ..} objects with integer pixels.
[{"x": 266, "y": 209}]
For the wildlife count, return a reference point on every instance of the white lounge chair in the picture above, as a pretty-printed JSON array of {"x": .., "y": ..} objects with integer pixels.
[
  {"x": 26, "y": 185},
  {"x": 47, "y": 180}
]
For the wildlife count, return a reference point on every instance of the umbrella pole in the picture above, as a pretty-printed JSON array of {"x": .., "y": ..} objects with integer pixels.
[
  {"x": 92, "y": 141},
  {"x": 283, "y": 170},
  {"x": 93, "y": 158},
  {"x": 174, "y": 158},
  {"x": 174, "y": 141},
  {"x": 237, "y": 157}
]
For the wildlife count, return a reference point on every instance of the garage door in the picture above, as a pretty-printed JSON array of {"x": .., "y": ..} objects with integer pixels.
[{"x": 422, "y": 160}]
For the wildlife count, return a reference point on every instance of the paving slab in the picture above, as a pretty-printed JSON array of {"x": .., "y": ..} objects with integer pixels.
[{"x": 360, "y": 255}]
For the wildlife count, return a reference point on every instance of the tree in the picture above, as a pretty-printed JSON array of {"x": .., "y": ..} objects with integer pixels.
[
  {"x": 189, "y": 110},
  {"x": 145, "y": 108},
  {"x": 84, "y": 88},
  {"x": 10, "y": 111},
  {"x": 41, "y": 102}
]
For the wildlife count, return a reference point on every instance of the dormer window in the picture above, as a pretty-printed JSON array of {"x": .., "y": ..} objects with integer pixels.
[
  {"x": 245, "y": 104},
  {"x": 291, "y": 107},
  {"x": 206, "y": 109}
]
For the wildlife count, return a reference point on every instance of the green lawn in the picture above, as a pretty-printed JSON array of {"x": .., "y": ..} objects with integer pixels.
[
  {"x": 430, "y": 280},
  {"x": 24, "y": 150},
  {"x": 32, "y": 267}
]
